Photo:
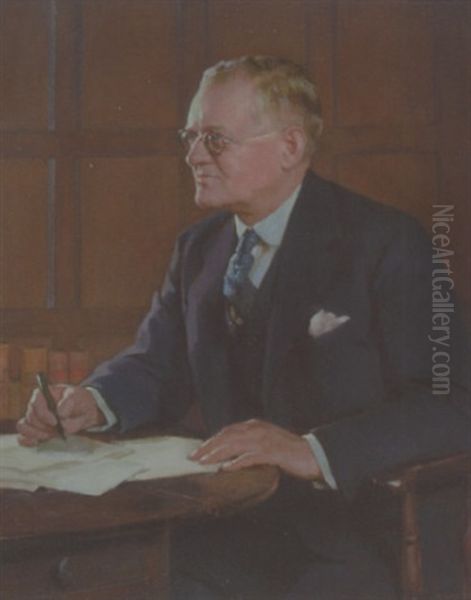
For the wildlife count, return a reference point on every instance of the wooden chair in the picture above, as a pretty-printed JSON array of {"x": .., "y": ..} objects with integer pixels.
[{"x": 407, "y": 483}]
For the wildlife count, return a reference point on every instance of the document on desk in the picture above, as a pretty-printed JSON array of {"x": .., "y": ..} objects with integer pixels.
[
  {"x": 166, "y": 456},
  {"x": 80, "y": 465},
  {"x": 90, "y": 467}
]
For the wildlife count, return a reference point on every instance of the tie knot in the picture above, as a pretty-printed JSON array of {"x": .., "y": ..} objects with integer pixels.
[{"x": 248, "y": 242}]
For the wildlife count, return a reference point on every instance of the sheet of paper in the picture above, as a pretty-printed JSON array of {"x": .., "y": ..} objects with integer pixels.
[
  {"x": 51, "y": 453},
  {"x": 90, "y": 467},
  {"x": 93, "y": 478},
  {"x": 166, "y": 456},
  {"x": 95, "y": 470},
  {"x": 11, "y": 479}
]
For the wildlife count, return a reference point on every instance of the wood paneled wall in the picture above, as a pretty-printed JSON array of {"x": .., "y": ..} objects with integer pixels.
[{"x": 93, "y": 188}]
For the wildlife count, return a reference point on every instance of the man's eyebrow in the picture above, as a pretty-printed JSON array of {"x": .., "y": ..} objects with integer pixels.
[
  {"x": 221, "y": 130},
  {"x": 215, "y": 128}
]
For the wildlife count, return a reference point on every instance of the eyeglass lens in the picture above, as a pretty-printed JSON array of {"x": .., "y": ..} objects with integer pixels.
[{"x": 214, "y": 142}]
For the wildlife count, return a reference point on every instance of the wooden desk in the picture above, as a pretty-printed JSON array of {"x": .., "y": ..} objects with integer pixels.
[{"x": 59, "y": 545}]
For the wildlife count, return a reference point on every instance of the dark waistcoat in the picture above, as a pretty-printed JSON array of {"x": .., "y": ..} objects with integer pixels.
[{"x": 246, "y": 345}]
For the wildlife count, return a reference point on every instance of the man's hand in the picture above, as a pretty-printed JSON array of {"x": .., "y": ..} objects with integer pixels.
[
  {"x": 259, "y": 443},
  {"x": 76, "y": 408}
]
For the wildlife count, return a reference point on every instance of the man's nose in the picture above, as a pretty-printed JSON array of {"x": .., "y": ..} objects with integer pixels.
[{"x": 197, "y": 152}]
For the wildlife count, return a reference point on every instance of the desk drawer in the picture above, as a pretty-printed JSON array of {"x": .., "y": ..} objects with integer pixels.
[{"x": 116, "y": 567}]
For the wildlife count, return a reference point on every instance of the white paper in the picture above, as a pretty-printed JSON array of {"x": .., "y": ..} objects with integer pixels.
[
  {"x": 93, "y": 478},
  {"x": 90, "y": 467},
  {"x": 47, "y": 455},
  {"x": 166, "y": 456}
]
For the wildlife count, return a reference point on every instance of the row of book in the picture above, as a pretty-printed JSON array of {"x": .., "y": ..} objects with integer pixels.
[{"x": 18, "y": 368}]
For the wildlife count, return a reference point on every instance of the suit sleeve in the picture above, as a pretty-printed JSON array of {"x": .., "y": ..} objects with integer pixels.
[
  {"x": 417, "y": 421},
  {"x": 149, "y": 381}
]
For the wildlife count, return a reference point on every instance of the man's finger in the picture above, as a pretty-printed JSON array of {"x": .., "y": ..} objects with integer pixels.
[
  {"x": 238, "y": 433},
  {"x": 26, "y": 441},
  {"x": 78, "y": 405},
  {"x": 206, "y": 447},
  {"x": 67, "y": 407},
  {"x": 249, "y": 459},
  {"x": 220, "y": 454},
  {"x": 37, "y": 412},
  {"x": 74, "y": 424},
  {"x": 32, "y": 434},
  {"x": 230, "y": 443}
]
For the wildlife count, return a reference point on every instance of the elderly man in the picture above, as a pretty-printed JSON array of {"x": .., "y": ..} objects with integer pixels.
[{"x": 297, "y": 318}]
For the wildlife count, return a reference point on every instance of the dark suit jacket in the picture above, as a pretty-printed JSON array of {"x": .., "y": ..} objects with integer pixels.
[{"x": 365, "y": 388}]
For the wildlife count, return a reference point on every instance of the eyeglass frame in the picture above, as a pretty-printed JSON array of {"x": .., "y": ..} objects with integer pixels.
[{"x": 207, "y": 136}]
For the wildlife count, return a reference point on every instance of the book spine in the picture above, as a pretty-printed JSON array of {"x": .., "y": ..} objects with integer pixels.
[
  {"x": 34, "y": 359},
  {"x": 4, "y": 363}
]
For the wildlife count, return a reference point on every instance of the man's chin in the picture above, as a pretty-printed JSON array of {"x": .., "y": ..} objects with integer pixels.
[{"x": 206, "y": 201}]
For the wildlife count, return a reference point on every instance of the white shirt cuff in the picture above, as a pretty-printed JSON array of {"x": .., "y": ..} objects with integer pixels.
[
  {"x": 111, "y": 418},
  {"x": 323, "y": 462}
]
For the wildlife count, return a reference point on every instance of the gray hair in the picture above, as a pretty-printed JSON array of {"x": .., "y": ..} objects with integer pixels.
[{"x": 285, "y": 90}]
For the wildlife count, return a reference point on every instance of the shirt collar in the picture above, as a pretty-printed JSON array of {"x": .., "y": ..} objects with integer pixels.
[{"x": 272, "y": 228}]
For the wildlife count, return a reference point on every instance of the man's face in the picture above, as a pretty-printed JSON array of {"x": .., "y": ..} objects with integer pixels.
[{"x": 248, "y": 170}]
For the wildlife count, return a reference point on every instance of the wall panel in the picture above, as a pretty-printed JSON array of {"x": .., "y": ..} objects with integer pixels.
[
  {"x": 129, "y": 64},
  {"x": 24, "y": 229},
  {"x": 265, "y": 27},
  {"x": 385, "y": 63},
  {"x": 192, "y": 51},
  {"x": 24, "y": 64},
  {"x": 407, "y": 181},
  {"x": 320, "y": 18},
  {"x": 129, "y": 223}
]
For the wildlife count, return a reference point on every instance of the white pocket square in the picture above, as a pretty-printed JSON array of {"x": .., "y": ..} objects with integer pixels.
[{"x": 323, "y": 322}]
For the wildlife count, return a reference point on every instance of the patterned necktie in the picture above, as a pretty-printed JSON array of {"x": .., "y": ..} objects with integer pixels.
[{"x": 238, "y": 288}]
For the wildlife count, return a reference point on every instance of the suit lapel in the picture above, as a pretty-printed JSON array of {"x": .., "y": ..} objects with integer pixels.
[
  {"x": 206, "y": 328},
  {"x": 307, "y": 266}
]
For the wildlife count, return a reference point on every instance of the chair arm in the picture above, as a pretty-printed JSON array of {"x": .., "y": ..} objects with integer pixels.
[
  {"x": 436, "y": 471},
  {"x": 405, "y": 482}
]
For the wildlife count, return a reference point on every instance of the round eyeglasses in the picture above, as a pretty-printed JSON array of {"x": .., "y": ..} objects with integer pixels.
[{"x": 214, "y": 142}]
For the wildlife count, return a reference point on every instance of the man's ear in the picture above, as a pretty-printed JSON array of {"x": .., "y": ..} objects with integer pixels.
[{"x": 294, "y": 146}]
